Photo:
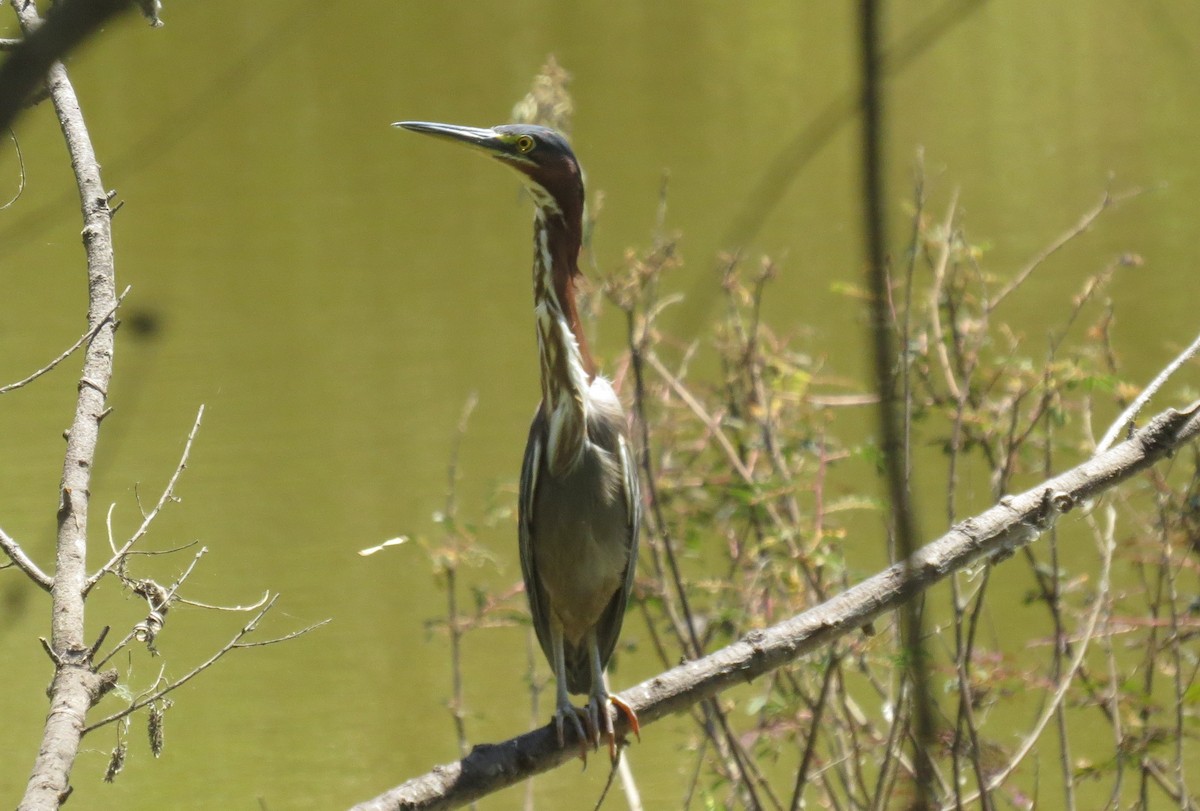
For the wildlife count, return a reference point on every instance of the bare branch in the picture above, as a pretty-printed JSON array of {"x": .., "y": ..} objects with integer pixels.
[
  {"x": 1015, "y": 522},
  {"x": 87, "y": 336},
  {"x": 24, "y": 562}
]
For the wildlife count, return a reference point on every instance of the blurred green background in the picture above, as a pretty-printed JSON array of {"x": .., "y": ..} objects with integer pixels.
[{"x": 333, "y": 290}]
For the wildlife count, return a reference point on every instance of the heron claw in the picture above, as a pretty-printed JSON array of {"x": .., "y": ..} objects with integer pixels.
[
  {"x": 629, "y": 714},
  {"x": 600, "y": 722},
  {"x": 574, "y": 713}
]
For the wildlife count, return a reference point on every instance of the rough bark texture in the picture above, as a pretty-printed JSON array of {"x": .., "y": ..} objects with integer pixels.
[
  {"x": 75, "y": 687},
  {"x": 1015, "y": 522}
]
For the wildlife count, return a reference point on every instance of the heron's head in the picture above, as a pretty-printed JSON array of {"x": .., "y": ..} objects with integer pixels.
[{"x": 542, "y": 156}]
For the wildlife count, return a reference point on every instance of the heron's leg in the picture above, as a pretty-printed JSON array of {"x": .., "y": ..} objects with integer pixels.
[
  {"x": 598, "y": 713},
  {"x": 597, "y": 708},
  {"x": 564, "y": 708}
]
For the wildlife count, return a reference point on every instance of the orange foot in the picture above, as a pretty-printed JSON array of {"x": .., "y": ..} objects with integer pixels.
[{"x": 630, "y": 715}]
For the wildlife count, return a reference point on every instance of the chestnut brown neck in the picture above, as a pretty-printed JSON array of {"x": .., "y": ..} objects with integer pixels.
[{"x": 567, "y": 368}]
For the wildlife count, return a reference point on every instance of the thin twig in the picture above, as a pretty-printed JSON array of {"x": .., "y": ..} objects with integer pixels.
[
  {"x": 810, "y": 745},
  {"x": 910, "y": 272},
  {"x": 20, "y": 169},
  {"x": 1108, "y": 546},
  {"x": 892, "y": 754},
  {"x": 262, "y": 643},
  {"x": 935, "y": 296},
  {"x": 697, "y": 408},
  {"x": 452, "y": 620},
  {"x": 197, "y": 604},
  {"x": 1091, "y": 286},
  {"x": 1178, "y": 663},
  {"x": 168, "y": 494},
  {"x": 1109, "y": 200},
  {"x": 1130, "y": 414},
  {"x": 87, "y": 336},
  {"x": 633, "y": 797},
  {"x": 234, "y": 644}
]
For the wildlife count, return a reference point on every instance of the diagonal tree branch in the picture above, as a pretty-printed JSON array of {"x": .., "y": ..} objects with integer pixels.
[
  {"x": 1015, "y": 522},
  {"x": 76, "y": 686}
]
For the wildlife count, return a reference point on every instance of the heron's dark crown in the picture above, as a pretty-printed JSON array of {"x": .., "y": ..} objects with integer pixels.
[
  {"x": 549, "y": 144},
  {"x": 549, "y": 163}
]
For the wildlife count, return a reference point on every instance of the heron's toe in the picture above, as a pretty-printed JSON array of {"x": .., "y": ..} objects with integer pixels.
[
  {"x": 598, "y": 720},
  {"x": 570, "y": 711},
  {"x": 629, "y": 714}
]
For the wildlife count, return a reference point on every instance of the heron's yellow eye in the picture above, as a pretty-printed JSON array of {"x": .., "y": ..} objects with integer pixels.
[{"x": 524, "y": 143}]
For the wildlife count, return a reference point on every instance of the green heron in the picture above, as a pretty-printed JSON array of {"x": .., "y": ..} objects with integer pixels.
[{"x": 578, "y": 506}]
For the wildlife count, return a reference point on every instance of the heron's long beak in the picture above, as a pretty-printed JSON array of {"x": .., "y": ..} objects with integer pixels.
[{"x": 485, "y": 139}]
